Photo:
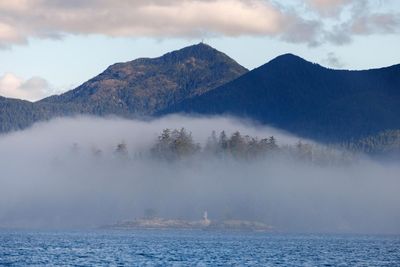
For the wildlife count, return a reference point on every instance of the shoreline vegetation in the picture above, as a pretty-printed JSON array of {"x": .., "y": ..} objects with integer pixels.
[{"x": 178, "y": 144}]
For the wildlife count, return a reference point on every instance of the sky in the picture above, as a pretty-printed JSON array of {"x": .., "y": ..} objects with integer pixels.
[{"x": 51, "y": 46}]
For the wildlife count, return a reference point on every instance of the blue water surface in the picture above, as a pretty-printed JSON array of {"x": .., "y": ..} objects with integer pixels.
[{"x": 193, "y": 248}]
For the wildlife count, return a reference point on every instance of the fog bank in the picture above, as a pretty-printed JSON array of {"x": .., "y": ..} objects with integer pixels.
[{"x": 65, "y": 173}]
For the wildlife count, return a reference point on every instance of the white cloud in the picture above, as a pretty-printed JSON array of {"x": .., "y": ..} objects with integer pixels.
[
  {"x": 24, "y": 19},
  {"x": 9, "y": 34},
  {"x": 32, "y": 89},
  {"x": 156, "y": 18}
]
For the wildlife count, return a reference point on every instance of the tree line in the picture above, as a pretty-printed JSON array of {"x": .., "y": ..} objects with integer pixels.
[
  {"x": 176, "y": 144},
  {"x": 179, "y": 144}
]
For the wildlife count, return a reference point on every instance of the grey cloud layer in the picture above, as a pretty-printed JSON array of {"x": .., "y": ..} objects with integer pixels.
[
  {"x": 22, "y": 19},
  {"x": 328, "y": 7},
  {"x": 363, "y": 21},
  {"x": 333, "y": 61}
]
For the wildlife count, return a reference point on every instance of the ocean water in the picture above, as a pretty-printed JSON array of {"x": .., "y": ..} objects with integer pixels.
[{"x": 193, "y": 248}]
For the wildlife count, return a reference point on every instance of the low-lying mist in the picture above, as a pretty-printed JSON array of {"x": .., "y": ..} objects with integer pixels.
[{"x": 66, "y": 173}]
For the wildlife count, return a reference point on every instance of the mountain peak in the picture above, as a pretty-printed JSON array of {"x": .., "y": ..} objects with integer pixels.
[
  {"x": 286, "y": 62},
  {"x": 201, "y": 47},
  {"x": 198, "y": 51},
  {"x": 307, "y": 99},
  {"x": 288, "y": 58},
  {"x": 146, "y": 85}
]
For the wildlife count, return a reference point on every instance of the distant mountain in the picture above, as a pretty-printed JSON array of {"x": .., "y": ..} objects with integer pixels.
[
  {"x": 146, "y": 85},
  {"x": 16, "y": 114},
  {"x": 307, "y": 99}
]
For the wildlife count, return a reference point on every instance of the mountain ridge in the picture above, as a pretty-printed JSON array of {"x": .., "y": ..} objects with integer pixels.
[
  {"x": 288, "y": 92},
  {"x": 307, "y": 99},
  {"x": 130, "y": 89},
  {"x": 144, "y": 85}
]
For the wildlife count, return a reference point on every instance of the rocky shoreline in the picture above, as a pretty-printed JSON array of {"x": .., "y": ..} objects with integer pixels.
[{"x": 161, "y": 223}]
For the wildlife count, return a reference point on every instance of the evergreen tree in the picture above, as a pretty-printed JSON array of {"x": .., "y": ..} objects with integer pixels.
[{"x": 121, "y": 150}]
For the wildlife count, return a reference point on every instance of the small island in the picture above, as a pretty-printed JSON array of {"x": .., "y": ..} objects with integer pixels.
[{"x": 204, "y": 224}]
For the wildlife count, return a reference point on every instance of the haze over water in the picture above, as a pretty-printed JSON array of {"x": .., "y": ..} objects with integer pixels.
[{"x": 64, "y": 184}]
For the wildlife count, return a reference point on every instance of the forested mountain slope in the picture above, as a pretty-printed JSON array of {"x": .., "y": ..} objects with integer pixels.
[
  {"x": 136, "y": 88},
  {"x": 307, "y": 99},
  {"x": 146, "y": 85}
]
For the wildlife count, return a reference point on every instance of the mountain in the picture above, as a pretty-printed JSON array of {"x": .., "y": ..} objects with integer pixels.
[
  {"x": 146, "y": 85},
  {"x": 288, "y": 92},
  {"x": 307, "y": 99},
  {"x": 139, "y": 87},
  {"x": 16, "y": 114}
]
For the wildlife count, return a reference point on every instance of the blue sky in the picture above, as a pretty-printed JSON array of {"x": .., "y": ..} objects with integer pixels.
[{"x": 42, "y": 54}]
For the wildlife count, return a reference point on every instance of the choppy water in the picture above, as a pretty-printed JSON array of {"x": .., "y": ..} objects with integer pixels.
[{"x": 194, "y": 248}]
